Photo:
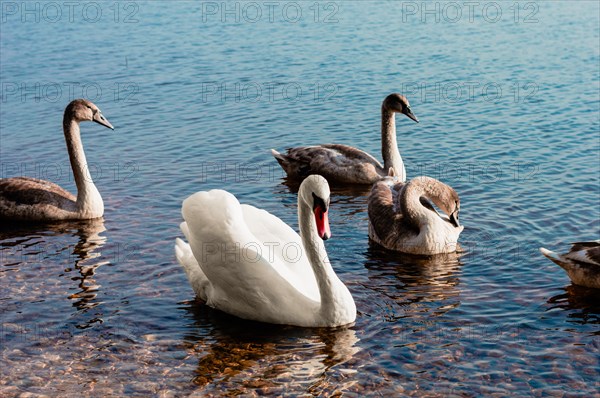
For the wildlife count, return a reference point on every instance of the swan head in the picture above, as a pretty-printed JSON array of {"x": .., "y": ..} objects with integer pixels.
[
  {"x": 314, "y": 193},
  {"x": 448, "y": 202},
  {"x": 83, "y": 110},
  {"x": 443, "y": 196},
  {"x": 398, "y": 103}
]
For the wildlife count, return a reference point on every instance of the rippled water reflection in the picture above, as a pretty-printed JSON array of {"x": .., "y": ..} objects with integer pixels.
[{"x": 101, "y": 308}]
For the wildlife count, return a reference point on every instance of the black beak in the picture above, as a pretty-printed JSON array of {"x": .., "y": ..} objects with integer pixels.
[
  {"x": 100, "y": 119},
  {"x": 411, "y": 115},
  {"x": 454, "y": 219}
]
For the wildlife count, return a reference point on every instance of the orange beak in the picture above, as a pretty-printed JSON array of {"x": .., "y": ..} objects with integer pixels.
[{"x": 322, "y": 220}]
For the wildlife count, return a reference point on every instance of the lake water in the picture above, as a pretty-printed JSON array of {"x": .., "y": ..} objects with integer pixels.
[{"x": 508, "y": 98}]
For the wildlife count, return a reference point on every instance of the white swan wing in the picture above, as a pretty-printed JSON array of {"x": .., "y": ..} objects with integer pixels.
[
  {"x": 242, "y": 281},
  {"x": 284, "y": 249}
]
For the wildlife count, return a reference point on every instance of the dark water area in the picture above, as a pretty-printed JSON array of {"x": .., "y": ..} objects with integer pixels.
[{"x": 510, "y": 118}]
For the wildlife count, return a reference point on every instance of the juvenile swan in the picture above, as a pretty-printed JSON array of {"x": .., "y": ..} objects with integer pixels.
[
  {"x": 582, "y": 263},
  {"x": 402, "y": 219},
  {"x": 345, "y": 164},
  {"x": 31, "y": 199},
  {"x": 249, "y": 263}
]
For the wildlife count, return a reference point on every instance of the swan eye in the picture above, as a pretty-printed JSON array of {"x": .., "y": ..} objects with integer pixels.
[{"x": 318, "y": 202}]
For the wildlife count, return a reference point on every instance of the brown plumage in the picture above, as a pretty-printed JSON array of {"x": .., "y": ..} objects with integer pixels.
[
  {"x": 344, "y": 164},
  {"x": 402, "y": 219},
  {"x": 336, "y": 162},
  {"x": 27, "y": 198},
  {"x": 34, "y": 200}
]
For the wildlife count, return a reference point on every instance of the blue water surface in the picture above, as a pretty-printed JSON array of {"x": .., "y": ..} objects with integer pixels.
[{"x": 508, "y": 97}]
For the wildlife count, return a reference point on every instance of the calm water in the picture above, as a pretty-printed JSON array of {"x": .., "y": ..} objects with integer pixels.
[{"x": 509, "y": 115}]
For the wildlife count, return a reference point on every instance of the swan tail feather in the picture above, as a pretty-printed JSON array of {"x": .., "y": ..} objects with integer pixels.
[
  {"x": 184, "y": 255},
  {"x": 197, "y": 278},
  {"x": 185, "y": 229},
  {"x": 294, "y": 166},
  {"x": 281, "y": 159},
  {"x": 552, "y": 256}
]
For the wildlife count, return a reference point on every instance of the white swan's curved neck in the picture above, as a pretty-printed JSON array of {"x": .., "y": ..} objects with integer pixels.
[
  {"x": 89, "y": 201},
  {"x": 389, "y": 145},
  {"x": 329, "y": 283}
]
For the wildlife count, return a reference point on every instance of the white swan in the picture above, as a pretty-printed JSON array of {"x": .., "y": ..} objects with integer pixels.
[
  {"x": 31, "y": 199},
  {"x": 249, "y": 263},
  {"x": 402, "y": 219},
  {"x": 345, "y": 164},
  {"x": 582, "y": 263}
]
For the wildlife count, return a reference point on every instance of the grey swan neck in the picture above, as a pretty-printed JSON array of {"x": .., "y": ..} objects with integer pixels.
[
  {"x": 389, "y": 144},
  {"x": 89, "y": 202},
  {"x": 327, "y": 280}
]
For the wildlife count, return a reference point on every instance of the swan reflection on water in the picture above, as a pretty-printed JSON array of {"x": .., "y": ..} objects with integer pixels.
[
  {"x": 87, "y": 259},
  {"x": 582, "y": 303},
  {"x": 26, "y": 244},
  {"x": 430, "y": 281},
  {"x": 253, "y": 355}
]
